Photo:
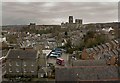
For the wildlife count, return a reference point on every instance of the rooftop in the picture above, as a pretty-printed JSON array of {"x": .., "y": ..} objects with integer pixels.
[
  {"x": 22, "y": 53},
  {"x": 89, "y": 63},
  {"x": 86, "y": 73}
]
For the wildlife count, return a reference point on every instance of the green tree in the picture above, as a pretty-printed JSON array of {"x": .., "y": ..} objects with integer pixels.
[{"x": 12, "y": 39}]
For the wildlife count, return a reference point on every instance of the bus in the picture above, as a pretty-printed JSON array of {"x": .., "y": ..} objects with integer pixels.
[{"x": 60, "y": 61}]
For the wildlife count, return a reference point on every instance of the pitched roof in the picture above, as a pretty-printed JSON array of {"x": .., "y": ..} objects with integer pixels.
[
  {"x": 115, "y": 52},
  {"x": 104, "y": 46},
  {"x": 96, "y": 73},
  {"x": 116, "y": 41},
  {"x": 100, "y": 47},
  {"x": 111, "y": 53},
  {"x": 113, "y": 42},
  {"x": 108, "y": 44},
  {"x": 106, "y": 55},
  {"x": 22, "y": 53},
  {"x": 96, "y": 49},
  {"x": 89, "y": 63},
  {"x": 92, "y": 50},
  {"x": 86, "y": 73}
]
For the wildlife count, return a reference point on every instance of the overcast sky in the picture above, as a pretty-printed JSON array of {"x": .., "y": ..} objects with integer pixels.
[{"x": 57, "y": 12}]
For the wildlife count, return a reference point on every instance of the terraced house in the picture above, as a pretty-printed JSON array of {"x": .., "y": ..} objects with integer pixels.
[
  {"x": 22, "y": 63},
  {"x": 108, "y": 51}
]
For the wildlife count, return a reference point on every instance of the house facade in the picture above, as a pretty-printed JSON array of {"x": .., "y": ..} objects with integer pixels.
[
  {"x": 22, "y": 63},
  {"x": 108, "y": 51}
]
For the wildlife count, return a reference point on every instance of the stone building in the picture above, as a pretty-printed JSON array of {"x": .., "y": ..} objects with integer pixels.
[
  {"x": 70, "y": 19},
  {"x": 22, "y": 63},
  {"x": 108, "y": 51},
  {"x": 71, "y": 24},
  {"x": 78, "y": 21}
]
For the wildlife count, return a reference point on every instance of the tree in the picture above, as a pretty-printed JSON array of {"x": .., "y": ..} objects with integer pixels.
[
  {"x": 12, "y": 39},
  {"x": 68, "y": 44},
  {"x": 92, "y": 39}
]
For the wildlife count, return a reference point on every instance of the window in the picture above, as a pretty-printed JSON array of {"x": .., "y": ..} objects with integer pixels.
[
  {"x": 32, "y": 64},
  {"x": 32, "y": 71},
  {"x": 10, "y": 64},
  {"x": 17, "y": 70},
  {"x": 10, "y": 70},
  {"x": 41, "y": 75},
  {"x": 17, "y": 64},
  {"x": 24, "y": 70},
  {"x": 24, "y": 63}
]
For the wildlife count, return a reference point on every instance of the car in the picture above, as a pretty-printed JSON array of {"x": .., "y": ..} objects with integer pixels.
[
  {"x": 59, "y": 54},
  {"x": 54, "y": 56},
  {"x": 57, "y": 49}
]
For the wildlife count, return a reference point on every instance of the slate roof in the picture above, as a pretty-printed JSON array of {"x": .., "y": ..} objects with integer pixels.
[
  {"x": 97, "y": 56},
  {"x": 89, "y": 63},
  {"x": 115, "y": 52},
  {"x": 118, "y": 52},
  {"x": 22, "y": 53},
  {"x": 108, "y": 45},
  {"x": 86, "y": 73},
  {"x": 92, "y": 50},
  {"x": 104, "y": 46},
  {"x": 113, "y": 42},
  {"x": 111, "y": 53},
  {"x": 100, "y": 47},
  {"x": 106, "y": 55},
  {"x": 64, "y": 74},
  {"x": 116, "y": 41},
  {"x": 96, "y": 73},
  {"x": 96, "y": 49}
]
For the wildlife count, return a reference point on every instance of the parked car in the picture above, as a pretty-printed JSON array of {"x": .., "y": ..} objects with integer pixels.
[{"x": 54, "y": 55}]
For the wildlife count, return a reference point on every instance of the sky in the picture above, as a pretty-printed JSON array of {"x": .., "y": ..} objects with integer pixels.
[{"x": 22, "y": 13}]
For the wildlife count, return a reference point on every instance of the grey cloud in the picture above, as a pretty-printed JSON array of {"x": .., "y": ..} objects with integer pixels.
[{"x": 56, "y": 12}]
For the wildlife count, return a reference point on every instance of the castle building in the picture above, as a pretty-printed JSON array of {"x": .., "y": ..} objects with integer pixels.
[
  {"x": 71, "y": 24},
  {"x": 78, "y": 21},
  {"x": 70, "y": 19}
]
